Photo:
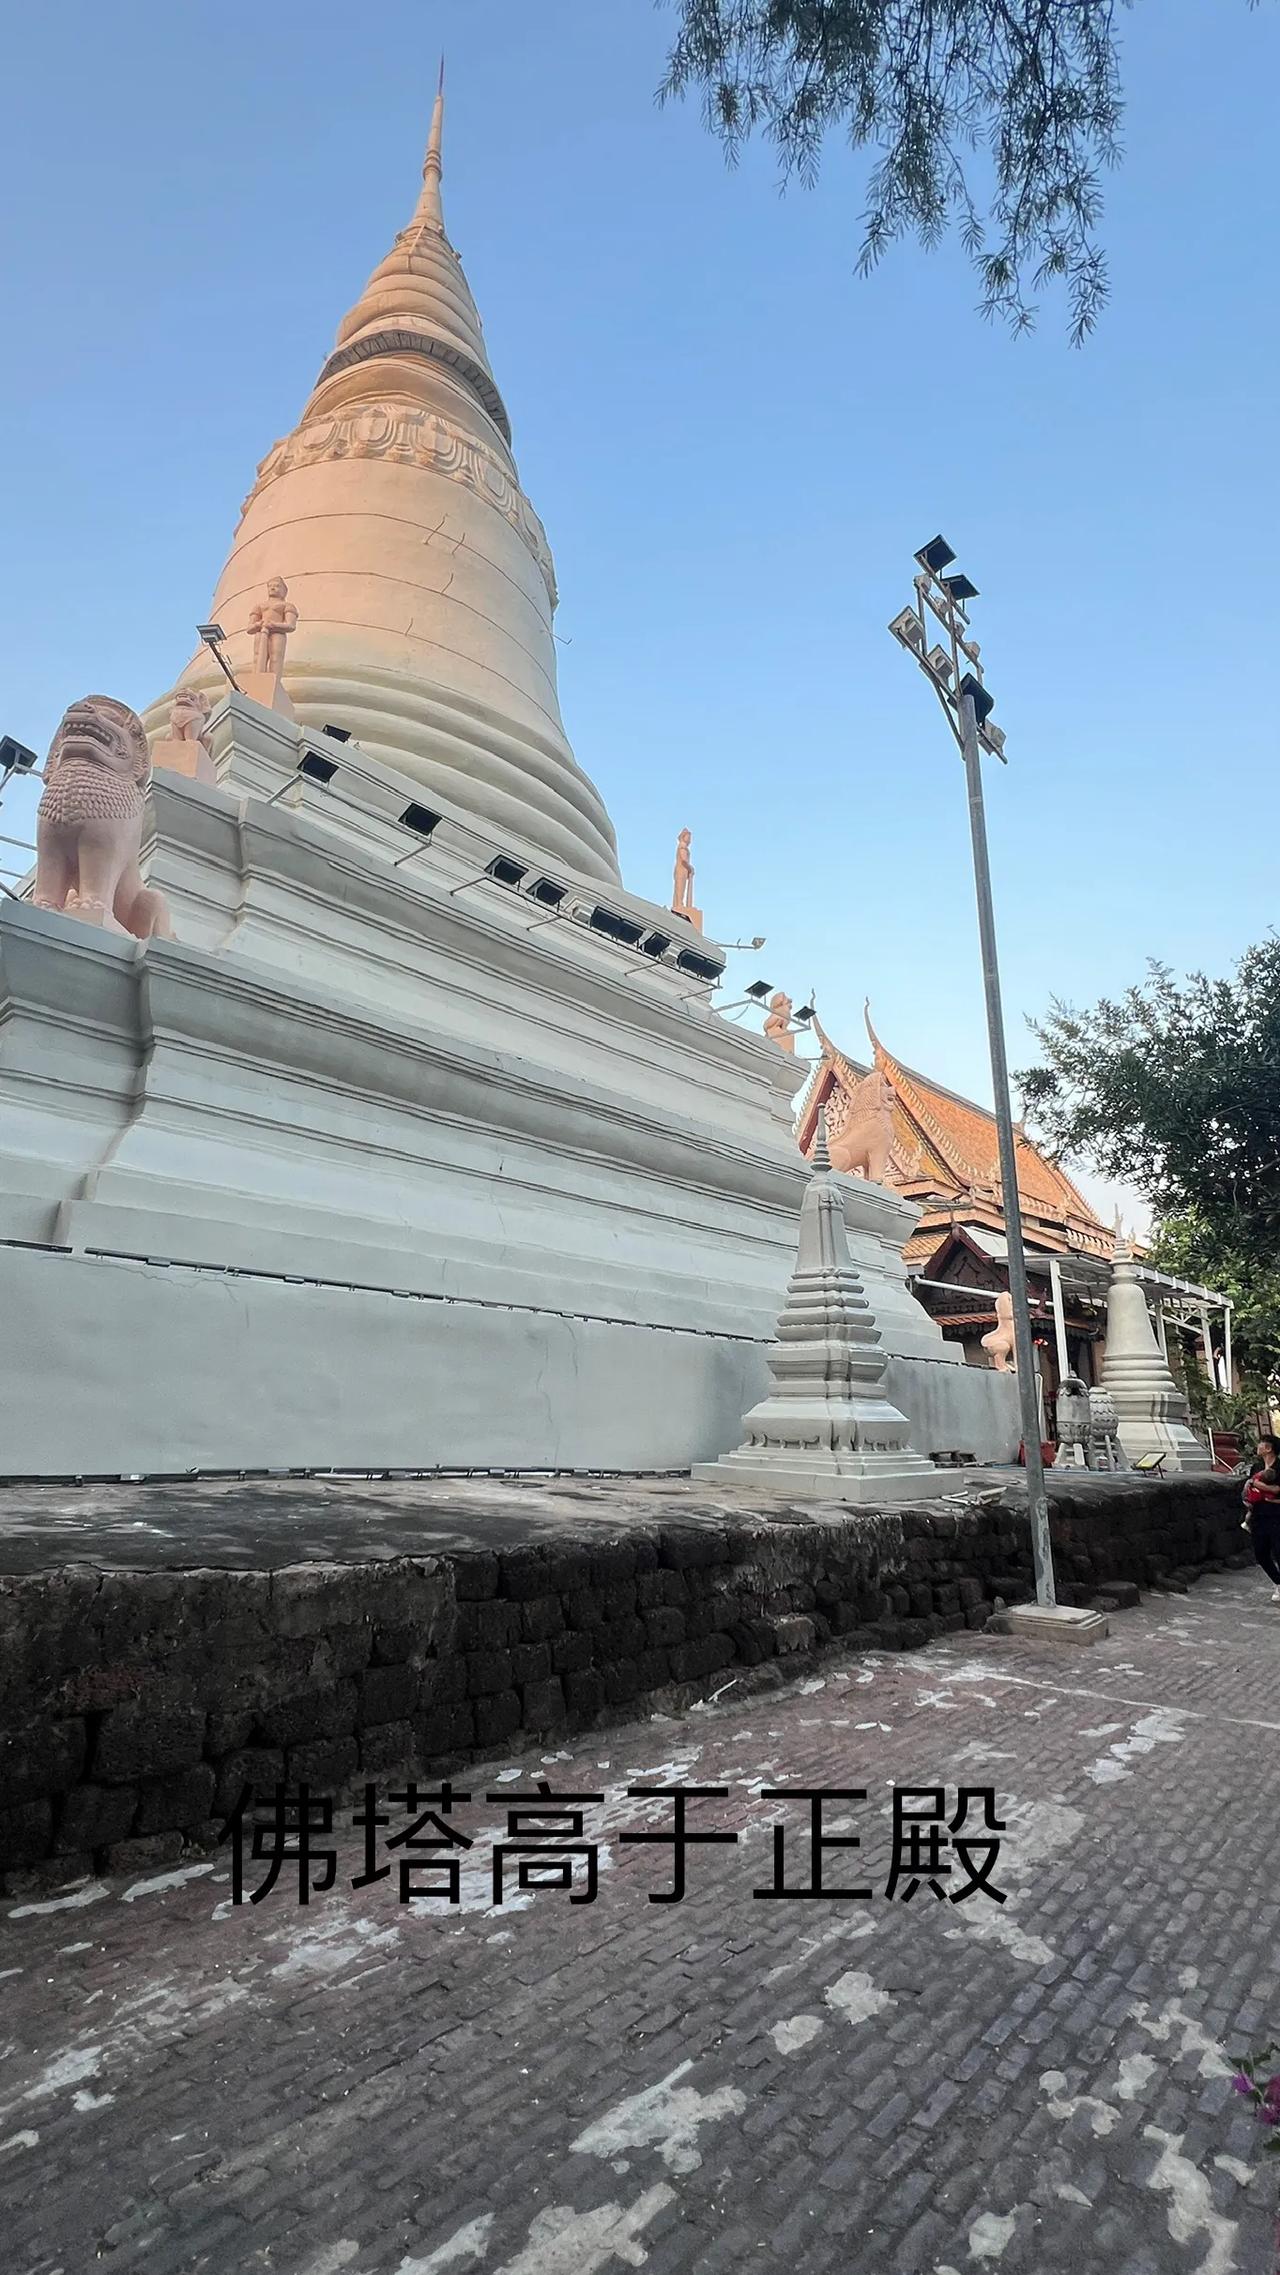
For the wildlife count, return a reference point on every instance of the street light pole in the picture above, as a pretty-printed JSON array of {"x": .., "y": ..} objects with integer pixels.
[
  {"x": 967, "y": 706},
  {"x": 1024, "y": 1347}
]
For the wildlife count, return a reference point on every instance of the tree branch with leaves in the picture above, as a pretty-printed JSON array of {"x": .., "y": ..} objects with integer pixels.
[
  {"x": 1175, "y": 1089},
  {"x": 996, "y": 118}
]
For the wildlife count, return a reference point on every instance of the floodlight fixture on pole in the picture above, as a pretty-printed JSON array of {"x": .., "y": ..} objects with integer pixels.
[
  {"x": 968, "y": 705},
  {"x": 935, "y": 556},
  {"x": 213, "y": 636},
  {"x": 15, "y": 758}
]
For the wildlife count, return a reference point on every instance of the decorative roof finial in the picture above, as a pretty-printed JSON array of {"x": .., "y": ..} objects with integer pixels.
[
  {"x": 874, "y": 1040},
  {"x": 429, "y": 206},
  {"x": 820, "y": 1158}
]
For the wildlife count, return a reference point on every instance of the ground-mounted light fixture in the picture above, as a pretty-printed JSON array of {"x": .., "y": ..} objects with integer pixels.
[{"x": 317, "y": 768}]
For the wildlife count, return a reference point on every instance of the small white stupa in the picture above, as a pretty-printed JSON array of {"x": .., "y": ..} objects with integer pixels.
[
  {"x": 1151, "y": 1409},
  {"x": 826, "y": 1427}
]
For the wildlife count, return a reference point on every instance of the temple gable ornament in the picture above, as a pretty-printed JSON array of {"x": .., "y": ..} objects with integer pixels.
[{"x": 862, "y": 1141}]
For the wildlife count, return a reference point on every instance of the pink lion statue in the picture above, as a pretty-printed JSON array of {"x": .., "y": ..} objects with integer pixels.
[
  {"x": 89, "y": 822},
  {"x": 998, "y": 1345}
]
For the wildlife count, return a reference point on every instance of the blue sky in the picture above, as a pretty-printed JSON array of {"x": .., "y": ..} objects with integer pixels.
[{"x": 735, "y": 444}]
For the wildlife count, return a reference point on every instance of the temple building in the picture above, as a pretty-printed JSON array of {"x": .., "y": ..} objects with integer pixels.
[{"x": 944, "y": 1157}]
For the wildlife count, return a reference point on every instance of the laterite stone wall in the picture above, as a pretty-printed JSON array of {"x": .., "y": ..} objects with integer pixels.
[{"x": 135, "y": 1705}]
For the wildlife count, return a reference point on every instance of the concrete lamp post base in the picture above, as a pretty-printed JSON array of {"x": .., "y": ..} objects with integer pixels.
[{"x": 1058, "y": 1623}]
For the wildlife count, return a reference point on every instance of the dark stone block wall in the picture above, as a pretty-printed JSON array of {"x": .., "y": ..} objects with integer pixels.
[{"x": 135, "y": 1705}]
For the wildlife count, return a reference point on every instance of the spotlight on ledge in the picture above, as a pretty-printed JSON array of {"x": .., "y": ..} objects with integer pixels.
[
  {"x": 804, "y": 1014},
  {"x": 758, "y": 990},
  {"x": 15, "y": 758},
  {"x": 213, "y": 636},
  {"x": 316, "y": 768},
  {"x": 936, "y": 555},
  {"x": 419, "y": 818},
  {"x": 337, "y": 734}
]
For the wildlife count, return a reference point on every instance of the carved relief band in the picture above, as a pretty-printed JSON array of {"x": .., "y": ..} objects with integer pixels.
[{"x": 411, "y": 437}]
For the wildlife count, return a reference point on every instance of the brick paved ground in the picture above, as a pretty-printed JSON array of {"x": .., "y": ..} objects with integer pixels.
[{"x": 721, "y": 2084}]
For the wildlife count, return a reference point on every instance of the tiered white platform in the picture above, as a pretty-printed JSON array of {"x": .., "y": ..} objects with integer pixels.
[{"x": 411, "y": 1152}]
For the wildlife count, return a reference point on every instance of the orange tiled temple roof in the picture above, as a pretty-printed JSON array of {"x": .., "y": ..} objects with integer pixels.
[{"x": 945, "y": 1157}]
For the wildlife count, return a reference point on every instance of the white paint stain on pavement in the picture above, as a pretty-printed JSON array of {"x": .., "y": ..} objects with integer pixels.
[
  {"x": 1164, "y": 1727},
  {"x": 334, "y": 2257},
  {"x": 666, "y": 2117},
  {"x": 1136, "y": 2073},
  {"x": 334, "y": 1945},
  {"x": 799, "y": 2030},
  {"x": 1070, "y": 2195},
  {"x": 1036, "y": 1831},
  {"x": 1103, "y": 2117},
  {"x": 1237, "y": 2168},
  {"x": 1194, "y": 2037},
  {"x": 24, "y": 2140},
  {"x": 991, "y": 2235},
  {"x": 95, "y": 1893},
  {"x": 67, "y": 2070},
  {"x": 565, "y": 2242},
  {"x": 1191, "y": 2211},
  {"x": 164, "y": 1880},
  {"x": 856, "y": 1998},
  {"x": 470, "y": 2242}
]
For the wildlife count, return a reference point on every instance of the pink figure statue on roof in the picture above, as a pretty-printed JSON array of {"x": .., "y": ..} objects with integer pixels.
[
  {"x": 778, "y": 1025},
  {"x": 682, "y": 884}
]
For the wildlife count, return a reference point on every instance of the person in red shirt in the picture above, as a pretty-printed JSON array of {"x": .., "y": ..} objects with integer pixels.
[{"x": 1262, "y": 1509}]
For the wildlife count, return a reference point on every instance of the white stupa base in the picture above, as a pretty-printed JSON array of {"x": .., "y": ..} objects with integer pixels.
[
  {"x": 1183, "y": 1452},
  {"x": 866, "y": 1482}
]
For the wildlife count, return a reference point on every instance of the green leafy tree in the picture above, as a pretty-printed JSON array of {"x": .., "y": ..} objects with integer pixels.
[
  {"x": 993, "y": 117},
  {"x": 1175, "y": 1089}
]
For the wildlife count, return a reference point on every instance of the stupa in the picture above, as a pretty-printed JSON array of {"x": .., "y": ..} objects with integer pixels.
[
  {"x": 421, "y": 1145},
  {"x": 827, "y": 1426},
  {"x": 1151, "y": 1410},
  {"x": 422, "y": 578}
]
